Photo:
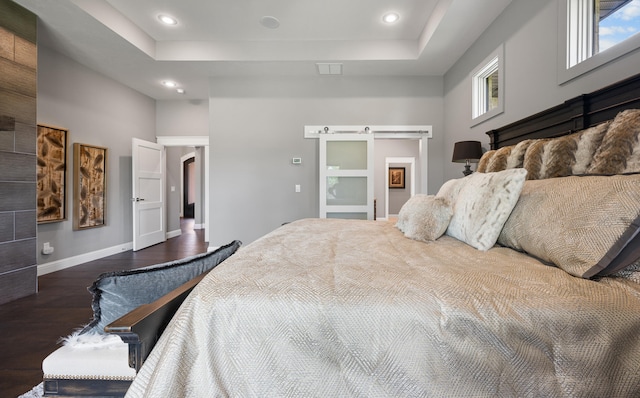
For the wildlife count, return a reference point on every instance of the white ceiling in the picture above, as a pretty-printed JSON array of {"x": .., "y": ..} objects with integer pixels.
[{"x": 124, "y": 40}]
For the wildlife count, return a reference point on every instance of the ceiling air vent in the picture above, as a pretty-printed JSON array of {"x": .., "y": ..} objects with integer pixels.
[{"x": 329, "y": 68}]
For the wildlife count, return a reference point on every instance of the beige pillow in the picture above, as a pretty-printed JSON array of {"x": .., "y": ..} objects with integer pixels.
[
  {"x": 483, "y": 205},
  {"x": 427, "y": 217},
  {"x": 586, "y": 225}
]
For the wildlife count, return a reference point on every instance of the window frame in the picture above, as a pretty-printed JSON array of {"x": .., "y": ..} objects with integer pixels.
[
  {"x": 569, "y": 12},
  {"x": 493, "y": 62}
]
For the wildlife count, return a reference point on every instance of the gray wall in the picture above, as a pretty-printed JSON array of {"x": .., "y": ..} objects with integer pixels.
[
  {"x": 182, "y": 118},
  {"x": 97, "y": 111},
  {"x": 18, "y": 65},
  {"x": 257, "y": 127},
  {"x": 173, "y": 180},
  {"x": 529, "y": 31}
]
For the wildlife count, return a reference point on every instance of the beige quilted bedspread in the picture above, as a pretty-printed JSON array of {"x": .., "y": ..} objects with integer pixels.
[{"x": 336, "y": 308}]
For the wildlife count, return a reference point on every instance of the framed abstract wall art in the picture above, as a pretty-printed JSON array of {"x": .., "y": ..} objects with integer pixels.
[
  {"x": 89, "y": 186},
  {"x": 396, "y": 177},
  {"x": 51, "y": 174}
]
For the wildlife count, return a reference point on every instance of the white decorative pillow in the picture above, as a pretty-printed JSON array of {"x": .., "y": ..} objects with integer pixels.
[
  {"x": 451, "y": 189},
  {"x": 483, "y": 206},
  {"x": 407, "y": 209},
  {"x": 428, "y": 218}
]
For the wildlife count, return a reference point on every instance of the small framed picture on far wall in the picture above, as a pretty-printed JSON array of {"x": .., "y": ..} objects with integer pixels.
[{"x": 396, "y": 177}]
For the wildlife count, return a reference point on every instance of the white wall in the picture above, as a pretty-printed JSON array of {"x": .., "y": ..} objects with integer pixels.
[
  {"x": 97, "y": 111},
  {"x": 529, "y": 31},
  {"x": 257, "y": 127}
]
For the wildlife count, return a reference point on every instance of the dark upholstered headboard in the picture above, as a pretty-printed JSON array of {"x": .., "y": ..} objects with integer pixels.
[{"x": 573, "y": 115}]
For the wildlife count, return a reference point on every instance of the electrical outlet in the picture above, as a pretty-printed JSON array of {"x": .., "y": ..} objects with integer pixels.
[
  {"x": 46, "y": 248},
  {"x": 297, "y": 188}
]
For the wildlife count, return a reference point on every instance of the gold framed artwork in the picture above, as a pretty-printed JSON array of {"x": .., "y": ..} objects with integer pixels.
[
  {"x": 396, "y": 177},
  {"x": 89, "y": 186},
  {"x": 51, "y": 172}
]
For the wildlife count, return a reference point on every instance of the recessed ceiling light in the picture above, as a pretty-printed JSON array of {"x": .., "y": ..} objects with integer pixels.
[
  {"x": 391, "y": 17},
  {"x": 270, "y": 22},
  {"x": 169, "y": 83},
  {"x": 167, "y": 20},
  {"x": 180, "y": 90}
]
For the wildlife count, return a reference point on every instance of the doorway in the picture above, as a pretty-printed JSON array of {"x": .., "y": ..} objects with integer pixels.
[
  {"x": 201, "y": 142},
  {"x": 188, "y": 186},
  {"x": 396, "y": 194}
]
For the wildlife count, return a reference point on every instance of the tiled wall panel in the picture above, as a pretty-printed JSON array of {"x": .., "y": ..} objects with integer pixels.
[
  {"x": 18, "y": 282},
  {"x": 25, "y": 138},
  {"x": 18, "y": 63},
  {"x": 7, "y": 227},
  {"x": 16, "y": 196},
  {"x": 25, "y": 224},
  {"x": 15, "y": 77},
  {"x": 17, "y": 253},
  {"x": 17, "y": 167},
  {"x": 20, "y": 106}
]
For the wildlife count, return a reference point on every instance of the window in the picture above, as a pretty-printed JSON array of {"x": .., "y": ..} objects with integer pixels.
[
  {"x": 488, "y": 87},
  {"x": 617, "y": 21},
  {"x": 594, "y": 32}
]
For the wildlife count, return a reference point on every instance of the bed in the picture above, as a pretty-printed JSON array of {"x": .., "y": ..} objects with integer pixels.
[{"x": 520, "y": 280}]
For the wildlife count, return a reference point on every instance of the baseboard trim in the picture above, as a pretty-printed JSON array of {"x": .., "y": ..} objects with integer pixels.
[
  {"x": 174, "y": 233},
  {"x": 69, "y": 262}
]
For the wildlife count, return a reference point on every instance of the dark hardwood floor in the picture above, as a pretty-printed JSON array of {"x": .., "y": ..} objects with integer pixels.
[{"x": 31, "y": 327}]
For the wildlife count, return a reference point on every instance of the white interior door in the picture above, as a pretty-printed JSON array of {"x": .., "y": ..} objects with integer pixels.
[
  {"x": 149, "y": 165},
  {"x": 346, "y": 176}
]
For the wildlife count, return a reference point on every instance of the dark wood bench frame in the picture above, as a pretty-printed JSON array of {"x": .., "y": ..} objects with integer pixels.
[{"x": 140, "y": 329}]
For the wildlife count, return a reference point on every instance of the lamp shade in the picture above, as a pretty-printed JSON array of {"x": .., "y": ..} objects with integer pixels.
[{"x": 464, "y": 151}]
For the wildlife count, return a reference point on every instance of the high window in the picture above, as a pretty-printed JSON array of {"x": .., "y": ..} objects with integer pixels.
[
  {"x": 487, "y": 85},
  {"x": 597, "y": 25},
  {"x": 596, "y": 31}
]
